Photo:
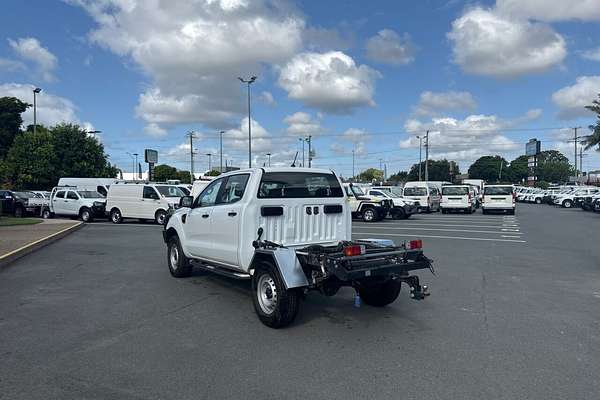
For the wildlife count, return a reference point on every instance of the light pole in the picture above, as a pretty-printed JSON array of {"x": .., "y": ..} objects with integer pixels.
[
  {"x": 133, "y": 164},
  {"x": 209, "y": 161},
  {"x": 249, "y": 82},
  {"x": 221, "y": 162},
  {"x": 36, "y": 91},
  {"x": 269, "y": 155},
  {"x": 302, "y": 140},
  {"x": 427, "y": 156},
  {"x": 420, "y": 145}
]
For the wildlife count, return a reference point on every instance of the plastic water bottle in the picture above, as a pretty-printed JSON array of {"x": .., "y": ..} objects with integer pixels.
[{"x": 357, "y": 300}]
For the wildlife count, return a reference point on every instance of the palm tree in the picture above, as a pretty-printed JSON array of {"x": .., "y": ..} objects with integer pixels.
[{"x": 594, "y": 139}]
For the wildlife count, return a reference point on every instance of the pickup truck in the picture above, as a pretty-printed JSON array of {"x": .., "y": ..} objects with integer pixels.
[
  {"x": 288, "y": 230},
  {"x": 69, "y": 202},
  {"x": 366, "y": 207}
]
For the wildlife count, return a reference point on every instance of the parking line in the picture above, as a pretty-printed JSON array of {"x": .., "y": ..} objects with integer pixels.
[
  {"x": 148, "y": 225},
  {"x": 442, "y": 230},
  {"x": 509, "y": 236},
  {"x": 411, "y": 224},
  {"x": 443, "y": 237}
]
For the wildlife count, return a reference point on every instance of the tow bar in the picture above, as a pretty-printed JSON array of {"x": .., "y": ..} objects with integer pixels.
[{"x": 417, "y": 292}]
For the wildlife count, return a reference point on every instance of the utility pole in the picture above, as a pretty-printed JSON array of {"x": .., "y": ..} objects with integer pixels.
[
  {"x": 381, "y": 167},
  {"x": 269, "y": 155},
  {"x": 209, "y": 161},
  {"x": 427, "y": 156},
  {"x": 303, "y": 159},
  {"x": 420, "y": 161},
  {"x": 353, "y": 151},
  {"x": 136, "y": 166},
  {"x": 36, "y": 91},
  {"x": 500, "y": 173},
  {"x": 309, "y": 140},
  {"x": 384, "y": 172},
  {"x": 190, "y": 134},
  {"x": 249, "y": 82},
  {"x": 221, "y": 163},
  {"x": 581, "y": 155},
  {"x": 575, "y": 143}
]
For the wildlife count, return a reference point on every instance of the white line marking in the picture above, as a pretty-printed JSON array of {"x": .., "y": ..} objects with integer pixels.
[
  {"x": 442, "y": 230},
  {"x": 148, "y": 225},
  {"x": 510, "y": 230},
  {"x": 443, "y": 237},
  {"x": 416, "y": 224},
  {"x": 509, "y": 236},
  {"x": 10, "y": 253}
]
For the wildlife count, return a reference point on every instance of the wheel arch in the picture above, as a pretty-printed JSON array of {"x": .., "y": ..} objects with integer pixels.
[{"x": 285, "y": 262}]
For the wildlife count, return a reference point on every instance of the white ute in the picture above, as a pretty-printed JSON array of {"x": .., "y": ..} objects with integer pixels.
[
  {"x": 289, "y": 231},
  {"x": 69, "y": 201}
]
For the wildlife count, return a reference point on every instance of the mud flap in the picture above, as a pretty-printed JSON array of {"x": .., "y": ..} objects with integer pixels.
[{"x": 288, "y": 265}]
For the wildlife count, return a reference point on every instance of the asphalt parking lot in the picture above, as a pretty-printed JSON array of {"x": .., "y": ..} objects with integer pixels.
[{"x": 514, "y": 313}]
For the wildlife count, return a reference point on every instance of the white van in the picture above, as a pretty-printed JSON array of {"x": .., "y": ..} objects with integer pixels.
[
  {"x": 199, "y": 186},
  {"x": 458, "y": 198},
  {"x": 427, "y": 194},
  {"x": 99, "y": 185},
  {"x": 499, "y": 198},
  {"x": 141, "y": 200}
]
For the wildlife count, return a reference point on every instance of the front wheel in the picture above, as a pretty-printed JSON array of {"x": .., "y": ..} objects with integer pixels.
[
  {"x": 160, "y": 217},
  {"x": 538, "y": 201},
  {"x": 115, "y": 216},
  {"x": 275, "y": 306},
  {"x": 400, "y": 214},
  {"x": 567, "y": 204},
  {"x": 370, "y": 215},
  {"x": 380, "y": 294},
  {"x": 46, "y": 214},
  {"x": 85, "y": 215},
  {"x": 179, "y": 264}
]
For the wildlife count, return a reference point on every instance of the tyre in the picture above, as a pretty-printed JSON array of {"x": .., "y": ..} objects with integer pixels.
[
  {"x": 160, "y": 217},
  {"x": 538, "y": 200},
  {"x": 115, "y": 216},
  {"x": 85, "y": 214},
  {"x": 400, "y": 214},
  {"x": 275, "y": 306},
  {"x": 381, "y": 293},
  {"x": 567, "y": 203},
  {"x": 46, "y": 214},
  {"x": 19, "y": 212},
  {"x": 444, "y": 211},
  {"x": 370, "y": 215},
  {"x": 179, "y": 264}
]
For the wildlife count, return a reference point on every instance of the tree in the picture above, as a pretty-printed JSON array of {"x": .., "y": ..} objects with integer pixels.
[
  {"x": 401, "y": 176},
  {"x": 213, "y": 172},
  {"x": 554, "y": 171},
  {"x": 31, "y": 162},
  {"x": 487, "y": 168},
  {"x": 517, "y": 170},
  {"x": 552, "y": 156},
  {"x": 164, "y": 172},
  {"x": 370, "y": 175},
  {"x": 594, "y": 138},
  {"x": 10, "y": 121},
  {"x": 438, "y": 170}
]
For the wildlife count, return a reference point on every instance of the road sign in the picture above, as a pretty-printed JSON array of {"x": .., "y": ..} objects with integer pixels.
[{"x": 151, "y": 156}]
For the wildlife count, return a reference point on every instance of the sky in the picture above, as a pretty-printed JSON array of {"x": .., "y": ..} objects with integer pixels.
[{"x": 364, "y": 77}]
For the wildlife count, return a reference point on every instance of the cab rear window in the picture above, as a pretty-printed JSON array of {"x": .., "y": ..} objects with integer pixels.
[
  {"x": 455, "y": 191},
  {"x": 282, "y": 185},
  {"x": 415, "y": 191},
  {"x": 498, "y": 190}
]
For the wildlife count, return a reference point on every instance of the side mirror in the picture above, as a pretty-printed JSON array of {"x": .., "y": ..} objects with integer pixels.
[{"x": 186, "y": 201}]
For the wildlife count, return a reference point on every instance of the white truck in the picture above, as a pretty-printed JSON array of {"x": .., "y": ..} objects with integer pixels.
[
  {"x": 70, "y": 201},
  {"x": 366, "y": 207},
  {"x": 289, "y": 231}
]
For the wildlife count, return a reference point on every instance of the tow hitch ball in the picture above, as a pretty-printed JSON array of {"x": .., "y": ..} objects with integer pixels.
[{"x": 417, "y": 292}]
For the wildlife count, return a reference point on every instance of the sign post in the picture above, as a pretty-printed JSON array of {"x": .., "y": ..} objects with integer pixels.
[
  {"x": 151, "y": 157},
  {"x": 532, "y": 149}
]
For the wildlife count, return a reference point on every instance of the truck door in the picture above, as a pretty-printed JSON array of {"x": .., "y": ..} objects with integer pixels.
[
  {"x": 71, "y": 203},
  {"x": 58, "y": 202},
  {"x": 197, "y": 227},
  {"x": 226, "y": 220}
]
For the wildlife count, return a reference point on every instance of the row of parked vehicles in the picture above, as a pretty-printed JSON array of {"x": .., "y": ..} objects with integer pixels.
[{"x": 585, "y": 197}]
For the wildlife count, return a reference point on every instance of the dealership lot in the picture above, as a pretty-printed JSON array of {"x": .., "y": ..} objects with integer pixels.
[{"x": 513, "y": 314}]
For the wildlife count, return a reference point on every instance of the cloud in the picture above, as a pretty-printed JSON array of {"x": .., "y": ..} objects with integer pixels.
[
  {"x": 356, "y": 138},
  {"x": 486, "y": 42},
  {"x": 465, "y": 139},
  {"x": 301, "y": 124},
  {"x": 237, "y": 138},
  {"x": 571, "y": 100},
  {"x": 436, "y": 103},
  {"x": 592, "y": 54},
  {"x": 390, "y": 48},
  {"x": 323, "y": 39},
  {"x": 193, "y": 52},
  {"x": 330, "y": 82},
  {"x": 30, "y": 49},
  {"x": 51, "y": 109},
  {"x": 11, "y": 65},
  {"x": 550, "y": 11},
  {"x": 267, "y": 98}
]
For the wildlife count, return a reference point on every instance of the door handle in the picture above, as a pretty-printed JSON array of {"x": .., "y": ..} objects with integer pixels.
[
  {"x": 232, "y": 214},
  {"x": 204, "y": 215}
]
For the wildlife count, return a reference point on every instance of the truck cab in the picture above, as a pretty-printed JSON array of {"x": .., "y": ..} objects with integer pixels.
[
  {"x": 367, "y": 207},
  {"x": 71, "y": 201},
  {"x": 289, "y": 231}
]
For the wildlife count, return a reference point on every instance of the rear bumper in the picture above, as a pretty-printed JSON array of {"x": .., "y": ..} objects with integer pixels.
[
  {"x": 498, "y": 207},
  {"x": 406, "y": 209},
  {"x": 459, "y": 206},
  {"x": 361, "y": 271}
]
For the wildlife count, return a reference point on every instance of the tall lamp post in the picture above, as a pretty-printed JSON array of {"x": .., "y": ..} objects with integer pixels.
[
  {"x": 221, "y": 163},
  {"x": 36, "y": 91},
  {"x": 269, "y": 155},
  {"x": 209, "y": 161},
  {"x": 420, "y": 146},
  {"x": 249, "y": 82}
]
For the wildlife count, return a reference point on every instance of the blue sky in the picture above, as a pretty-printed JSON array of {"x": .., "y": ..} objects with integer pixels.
[{"x": 483, "y": 77}]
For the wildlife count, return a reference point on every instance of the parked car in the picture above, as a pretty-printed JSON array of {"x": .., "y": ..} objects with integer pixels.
[
  {"x": 458, "y": 198},
  {"x": 295, "y": 237},
  {"x": 572, "y": 198},
  {"x": 403, "y": 208},
  {"x": 365, "y": 207},
  {"x": 428, "y": 195},
  {"x": 17, "y": 203},
  {"x": 141, "y": 200},
  {"x": 498, "y": 198},
  {"x": 70, "y": 201}
]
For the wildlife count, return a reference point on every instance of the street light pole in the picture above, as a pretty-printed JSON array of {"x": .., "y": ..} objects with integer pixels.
[
  {"x": 209, "y": 161},
  {"x": 221, "y": 163},
  {"x": 35, "y": 92},
  {"x": 420, "y": 162},
  {"x": 136, "y": 166},
  {"x": 249, "y": 82},
  {"x": 427, "y": 156},
  {"x": 133, "y": 164},
  {"x": 269, "y": 155}
]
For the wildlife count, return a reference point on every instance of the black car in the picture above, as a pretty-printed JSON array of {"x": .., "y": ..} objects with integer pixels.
[{"x": 16, "y": 203}]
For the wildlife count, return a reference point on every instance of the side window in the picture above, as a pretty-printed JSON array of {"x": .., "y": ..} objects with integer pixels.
[
  {"x": 150, "y": 193},
  {"x": 434, "y": 192},
  {"x": 101, "y": 190},
  {"x": 208, "y": 197},
  {"x": 376, "y": 193},
  {"x": 234, "y": 189},
  {"x": 60, "y": 194},
  {"x": 72, "y": 195}
]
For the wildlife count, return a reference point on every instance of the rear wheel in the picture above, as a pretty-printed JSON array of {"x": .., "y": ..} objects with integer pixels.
[
  {"x": 115, "y": 216},
  {"x": 179, "y": 264},
  {"x": 160, "y": 217},
  {"x": 46, "y": 214},
  {"x": 370, "y": 215},
  {"x": 567, "y": 203},
  {"x": 444, "y": 211},
  {"x": 381, "y": 293},
  {"x": 538, "y": 200},
  {"x": 85, "y": 214},
  {"x": 19, "y": 212},
  {"x": 275, "y": 306},
  {"x": 400, "y": 214},
  {"x": 469, "y": 210}
]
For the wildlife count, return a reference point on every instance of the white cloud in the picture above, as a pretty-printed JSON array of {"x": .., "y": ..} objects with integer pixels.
[
  {"x": 323, "y": 39},
  {"x": 485, "y": 42},
  {"x": 30, "y": 49},
  {"x": 11, "y": 65},
  {"x": 302, "y": 124},
  {"x": 331, "y": 82},
  {"x": 571, "y": 100},
  {"x": 544, "y": 10},
  {"x": 194, "y": 51},
  {"x": 238, "y": 138},
  {"x": 355, "y": 139},
  {"x": 592, "y": 54},
  {"x": 436, "y": 103},
  {"x": 51, "y": 109},
  {"x": 390, "y": 48},
  {"x": 267, "y": 98}
]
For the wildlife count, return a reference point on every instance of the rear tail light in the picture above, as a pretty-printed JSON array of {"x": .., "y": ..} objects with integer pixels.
[
  {"x": 414, "y": 244},
  {"x": 354, "y": 250}
]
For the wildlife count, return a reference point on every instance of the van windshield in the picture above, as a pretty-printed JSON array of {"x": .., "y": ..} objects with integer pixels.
[
  {"x": 170, "y": 191},
  {"x": 90, "y": 194},
  {"x": 277, "y": 185},
  {"x": 415, "y": 191},
  {"x": 498, "y": 190},
  {"x": 455, "y": 191}
]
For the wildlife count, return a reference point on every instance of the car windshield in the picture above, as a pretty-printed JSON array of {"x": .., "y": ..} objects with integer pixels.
[
  {"x": 24, "y": 195},
  {"x": 455, "y": 190},
  {"x": 90, "y": 194},
  {"x": 274, "y": 185},
  {"x": 170, "y": 191},
  {"x": 184, "y": 190},
  {"x": 415, "y": 191},
  {"x": 498, "y": 190}
]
